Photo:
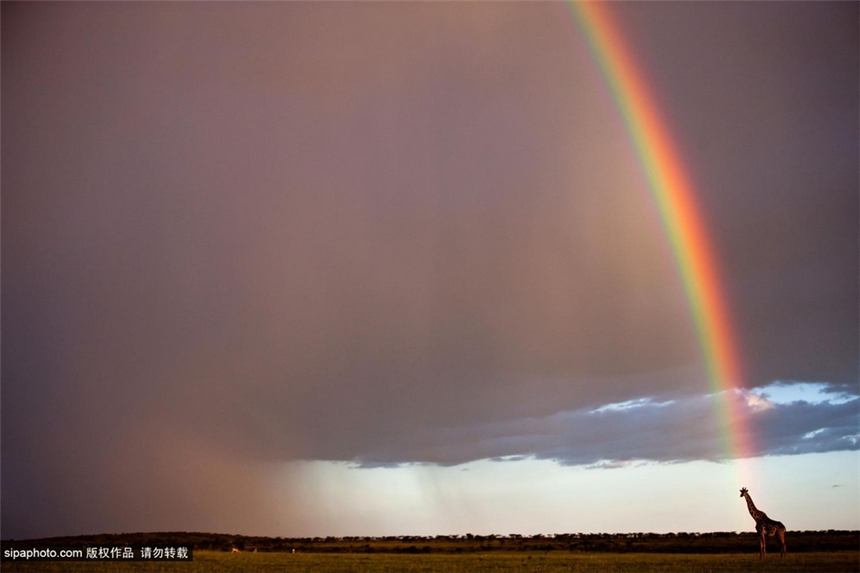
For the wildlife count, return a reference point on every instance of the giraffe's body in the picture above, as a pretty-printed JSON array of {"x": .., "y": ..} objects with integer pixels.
[{"x": 765, "y": 526}]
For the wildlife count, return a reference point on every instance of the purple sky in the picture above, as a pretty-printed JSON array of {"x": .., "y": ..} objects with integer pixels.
[{"x": 243, "y": 235}]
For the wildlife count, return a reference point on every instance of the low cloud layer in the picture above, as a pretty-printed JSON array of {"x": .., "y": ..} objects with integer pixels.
[{"x": 668, "y": 430}]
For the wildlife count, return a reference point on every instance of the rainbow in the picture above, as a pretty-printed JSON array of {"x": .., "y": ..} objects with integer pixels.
[{"x": 680, "y": 215}]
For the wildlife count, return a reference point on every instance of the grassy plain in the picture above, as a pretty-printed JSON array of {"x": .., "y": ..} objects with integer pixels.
[{"x": 494, "y": 562}]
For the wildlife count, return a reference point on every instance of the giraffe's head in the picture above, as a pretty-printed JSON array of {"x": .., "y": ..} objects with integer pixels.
[{"x": 743, "y": 491}]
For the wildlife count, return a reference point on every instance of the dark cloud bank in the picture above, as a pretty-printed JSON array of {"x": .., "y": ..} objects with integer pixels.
[
  {"x": 237, "y": 235},
  {"x": 669, "y": 430}
]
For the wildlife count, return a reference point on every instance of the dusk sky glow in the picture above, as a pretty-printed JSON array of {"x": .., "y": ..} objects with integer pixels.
[{"x": 360, "y": 268}]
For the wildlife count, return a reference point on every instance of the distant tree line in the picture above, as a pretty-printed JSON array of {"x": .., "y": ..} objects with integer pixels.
[{"x": 715, "y": 542}]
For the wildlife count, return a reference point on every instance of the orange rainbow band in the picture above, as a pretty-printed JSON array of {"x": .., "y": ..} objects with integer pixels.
[{"x": 679, "y": 213}]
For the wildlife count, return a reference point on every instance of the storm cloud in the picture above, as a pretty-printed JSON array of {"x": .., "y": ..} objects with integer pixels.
[
  {"x": 245, "y": 234},
  {"x": 673, "y": 430}
]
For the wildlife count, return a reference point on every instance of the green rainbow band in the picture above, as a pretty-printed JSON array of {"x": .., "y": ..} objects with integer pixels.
[{"x": 679, "y": 213}]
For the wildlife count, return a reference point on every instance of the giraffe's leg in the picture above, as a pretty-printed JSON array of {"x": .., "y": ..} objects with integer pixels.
[
  {"x": 762, "y": 545},
  {"x": 783, "y": 550}
]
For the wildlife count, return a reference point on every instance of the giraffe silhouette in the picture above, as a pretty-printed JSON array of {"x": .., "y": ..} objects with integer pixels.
[{"x": 764, "y": 526}]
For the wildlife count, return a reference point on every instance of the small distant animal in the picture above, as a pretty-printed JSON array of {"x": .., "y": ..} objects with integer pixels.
[
  {"x": 235, "y": 550},
  {"x": 765, "y": 526}
]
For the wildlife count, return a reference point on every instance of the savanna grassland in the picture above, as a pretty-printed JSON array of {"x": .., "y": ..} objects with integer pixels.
[
  {"x": 495, "y": 562},
  {"x": 809, "y": 551}
]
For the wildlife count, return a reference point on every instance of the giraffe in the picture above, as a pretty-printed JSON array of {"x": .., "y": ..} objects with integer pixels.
[{"x": 764, "y": 526}]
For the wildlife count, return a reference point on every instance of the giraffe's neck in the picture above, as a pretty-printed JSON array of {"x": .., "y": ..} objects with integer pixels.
[{"x": 755, "y": 513}]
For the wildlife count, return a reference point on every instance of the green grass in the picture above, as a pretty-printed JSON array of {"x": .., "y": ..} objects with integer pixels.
[{"x": 496, "y": 562}]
